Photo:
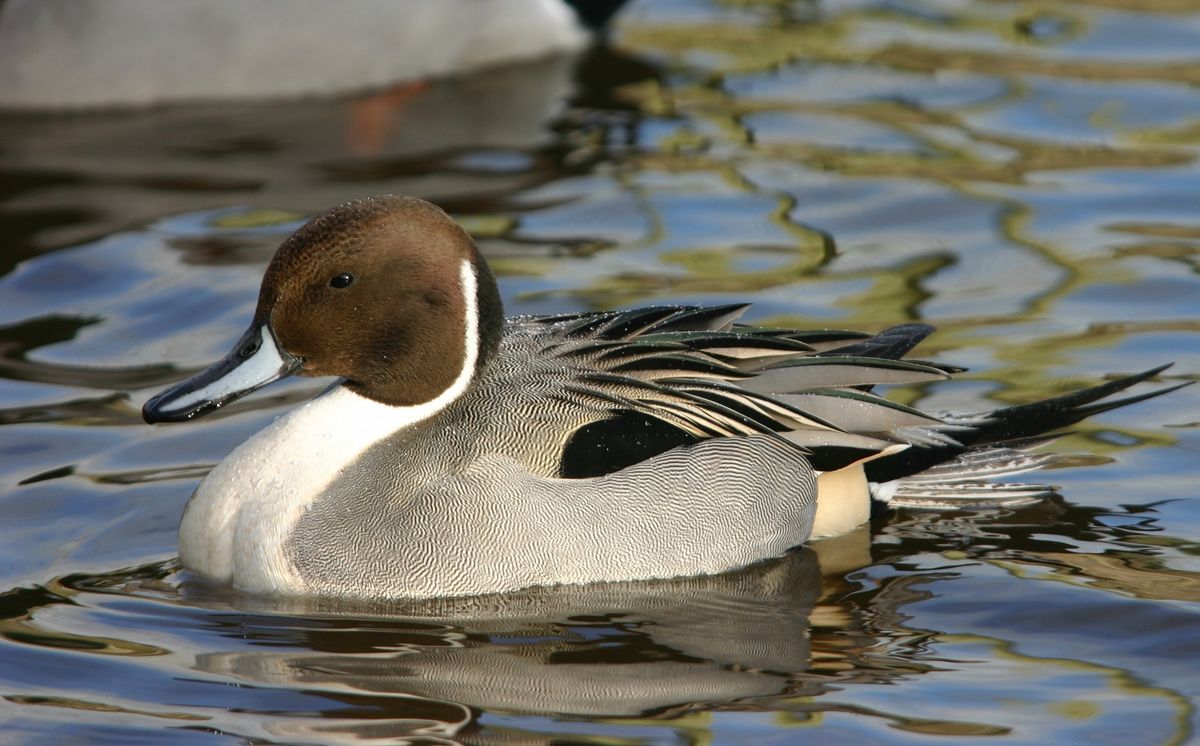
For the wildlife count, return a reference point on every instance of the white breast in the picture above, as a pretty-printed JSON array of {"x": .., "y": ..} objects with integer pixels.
[{"x": 235, "y": 526}]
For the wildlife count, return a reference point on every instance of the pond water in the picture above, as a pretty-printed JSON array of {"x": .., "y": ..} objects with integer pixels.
[{"x": 1022, "y": 175}]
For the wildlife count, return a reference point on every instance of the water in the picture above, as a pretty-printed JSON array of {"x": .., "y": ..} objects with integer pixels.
[{"x": 1023, "y": 176}]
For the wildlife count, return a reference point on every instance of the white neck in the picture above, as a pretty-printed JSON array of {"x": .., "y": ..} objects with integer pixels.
[{"x": 236, "y": 525}]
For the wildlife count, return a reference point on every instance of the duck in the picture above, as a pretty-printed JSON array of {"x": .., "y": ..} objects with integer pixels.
[
  {"x": 105, "y": 54},
  {"x": 463, "y": 453}
]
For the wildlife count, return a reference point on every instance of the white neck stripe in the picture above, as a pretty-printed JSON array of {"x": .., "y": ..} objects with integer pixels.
[{"x": 470, "y": 290}]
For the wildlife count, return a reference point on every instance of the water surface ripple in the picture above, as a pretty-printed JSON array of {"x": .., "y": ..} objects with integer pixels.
[{"x": 1023, "y": 175}]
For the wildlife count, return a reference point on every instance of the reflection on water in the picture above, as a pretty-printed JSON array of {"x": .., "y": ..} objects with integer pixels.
[
  {"x": 643, "y": 655},
  {"x": 624, "y": 650},
  {"x": 652, "y": 660},
  {"x": 634, "y": 650},
  {"x": 1024, "y": 176}
]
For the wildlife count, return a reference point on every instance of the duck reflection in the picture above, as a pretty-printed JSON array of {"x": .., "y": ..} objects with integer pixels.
[
  {"x": 618, "y": 650},
  {"x": 678, "y": 661}
]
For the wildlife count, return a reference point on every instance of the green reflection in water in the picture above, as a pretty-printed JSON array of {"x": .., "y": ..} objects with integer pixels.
[
  {"x": 1128, "y": 573},
  {"x": 1000, "y": 108},
  {"x": 81, "y": 704}
]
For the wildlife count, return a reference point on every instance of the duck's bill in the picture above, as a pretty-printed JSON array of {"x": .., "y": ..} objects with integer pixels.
[{"x": 255, "y": 361}]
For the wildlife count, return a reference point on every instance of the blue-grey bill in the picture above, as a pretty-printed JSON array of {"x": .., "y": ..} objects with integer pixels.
[{"x": 255, "y": 361}]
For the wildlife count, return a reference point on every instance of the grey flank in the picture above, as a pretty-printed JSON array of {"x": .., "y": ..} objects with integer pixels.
[{"x": 469, "y": 502}]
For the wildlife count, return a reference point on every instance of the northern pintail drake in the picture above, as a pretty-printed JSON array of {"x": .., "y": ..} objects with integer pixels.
[
  {"x": 462, "y": 453},
  {"x": 71, "y": 54}
]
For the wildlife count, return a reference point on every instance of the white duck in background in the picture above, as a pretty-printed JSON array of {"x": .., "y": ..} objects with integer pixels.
[{"x": 77, "y": 54}]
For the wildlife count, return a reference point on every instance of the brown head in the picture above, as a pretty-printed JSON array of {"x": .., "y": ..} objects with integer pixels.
[{"x": 388, "y": 293}]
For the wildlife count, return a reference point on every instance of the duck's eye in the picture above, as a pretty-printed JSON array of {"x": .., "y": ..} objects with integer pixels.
[{"x": 341, "y": 281}]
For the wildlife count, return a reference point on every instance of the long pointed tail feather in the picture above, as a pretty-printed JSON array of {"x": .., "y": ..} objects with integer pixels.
[
  {"x": 1043, "y": 416},
  {"x": 1006, "y": 428}
]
